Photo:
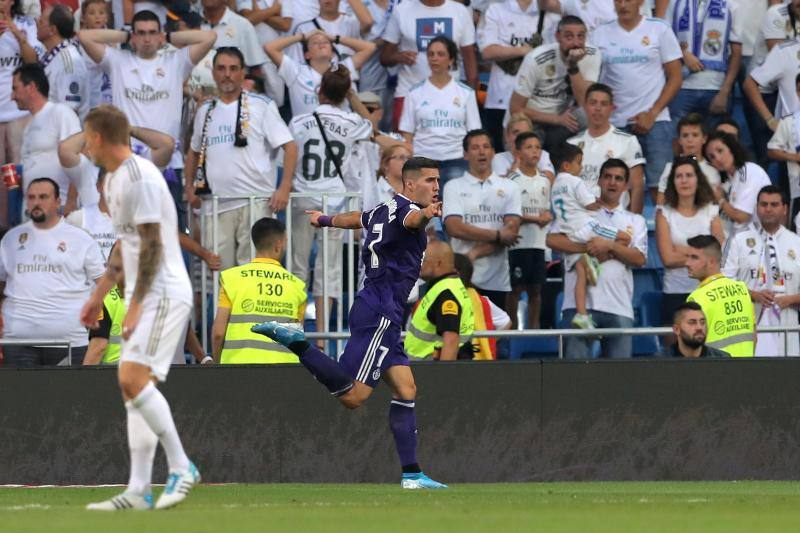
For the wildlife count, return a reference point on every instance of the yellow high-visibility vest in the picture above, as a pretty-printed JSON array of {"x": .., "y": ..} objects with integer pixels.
[
  {"x": 730, "y": 317},
  {"x": 259, "y": 291},
  {"x": 421, "y": 337},
  {"x": 115, "y": 305}
]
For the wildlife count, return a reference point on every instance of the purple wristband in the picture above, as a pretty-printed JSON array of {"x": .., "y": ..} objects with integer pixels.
[{"x": 325, "y": 221}]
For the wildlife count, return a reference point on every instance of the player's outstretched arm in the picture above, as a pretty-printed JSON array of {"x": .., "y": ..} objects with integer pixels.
[
  {"x": 419, "y": 219},
  {"x": 351, "y": 220}
]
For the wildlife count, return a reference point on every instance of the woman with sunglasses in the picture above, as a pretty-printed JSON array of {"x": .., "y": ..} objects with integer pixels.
[
  {"x": 688, "y": 210},
  {"x": 438, "y": 112},
  {"x": 741, "y": 181}
]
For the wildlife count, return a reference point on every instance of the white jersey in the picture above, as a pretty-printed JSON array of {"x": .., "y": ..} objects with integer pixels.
[
  {"x": 241, "y": 171},
  {"x": 303, "y": 83},
  {"x": 751, "y": 17},
  {"x": 614, "y": 290},
  {"x": 137, "y": 194},
  {"x": 711, "y": 174},
  {"x": 780, "y": 68},
  {"x": 502, "y": 161},
  {"x": 301, "y": 11},
  {"x": 569, "y": 198},
  {"x": 149, "y": 91},
  {"x": 97, "y": 224},
  {"x": 440, "y": 118},
  {"x": 413, "y": 25},
  {"x": 483, "y": 204},
  {"x": 785, "y": 139},
  {"x": 51, "y": 125},
  {"x": 593, "y": 13},
  {"x": 69, "y": 77},
  {"x": 374, "y": 76},
  {"x": 49, "y": 274},
  {"x": 613, "y": 143},
  {"x": 535, "y": 200},
  {"x": 633, "y": 65},
  {"x": 10, "y": 59},
  {"x": 505, "y": 24},
  {"x": 84, "y": 177},
  {"x": 543, "y": 80},
  {"x": 743, "y": 193},
  {"x": 748, "y": 261},
  {"x": 316, "y": 171},
  {"x": 681, "y": 229},
  {"x": 344, "y": 26},
  {"x": 772, "y": 24}
]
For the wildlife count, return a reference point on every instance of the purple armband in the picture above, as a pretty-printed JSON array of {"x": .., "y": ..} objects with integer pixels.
[{"x": 325, "y": 221}]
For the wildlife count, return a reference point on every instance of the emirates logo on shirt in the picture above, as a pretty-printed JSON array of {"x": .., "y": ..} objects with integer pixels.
[{"x": 146, "y": 94}]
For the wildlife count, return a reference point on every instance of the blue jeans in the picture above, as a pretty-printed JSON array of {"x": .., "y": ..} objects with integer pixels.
[
  {"x": 657, "y": 148},
  {"x": 451, "y": 169},
  {"x": 612, "y": 347},
  {"x": 696, "y": 101}
]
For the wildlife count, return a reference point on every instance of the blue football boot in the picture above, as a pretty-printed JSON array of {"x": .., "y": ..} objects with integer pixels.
[{"x": 420, "y": 481}]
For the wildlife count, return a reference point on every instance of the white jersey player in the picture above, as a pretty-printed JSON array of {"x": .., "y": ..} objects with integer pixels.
[{"x": 159, "y": 297}]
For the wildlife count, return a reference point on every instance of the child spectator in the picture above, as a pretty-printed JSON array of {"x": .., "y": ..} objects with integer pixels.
[
  {"x": 504, "y": 163},
  {"x": 573, "y": 205},
  {"x": 526, "y": 260},
  {"x": 692, "y": 135}
]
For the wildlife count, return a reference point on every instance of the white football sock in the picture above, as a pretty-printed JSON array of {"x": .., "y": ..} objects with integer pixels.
[
  {"x": 155, "y": 410},
  {"x": 142, "y": 443}
]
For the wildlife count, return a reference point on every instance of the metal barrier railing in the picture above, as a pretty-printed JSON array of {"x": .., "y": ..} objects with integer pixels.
[
  {"x": 351, "y": 201},
  {"x": 563, "y": 333},
  {"x": 49, "y": 343}
]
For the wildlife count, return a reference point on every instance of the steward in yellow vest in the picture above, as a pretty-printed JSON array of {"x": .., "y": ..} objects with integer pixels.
[
  {"x": 442, "y": 324},
  {"x": 256, "y": 292},
  {"x": 105, "y": 340},
  {"x": 726, "y": 303}
]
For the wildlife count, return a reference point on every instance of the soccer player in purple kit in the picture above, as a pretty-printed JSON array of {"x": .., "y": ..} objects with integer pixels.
[{"x": 392, "y": 254}]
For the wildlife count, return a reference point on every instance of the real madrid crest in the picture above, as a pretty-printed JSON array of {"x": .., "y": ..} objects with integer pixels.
[
  {"x": 550, "y": 70},
  {"x": 160, "y": 72},
  {"x": 229, "y": 32},
  {"x": 23, "y": 237},
  {"x": 62, "y": 246},
  {"x": 713, "y": 43},
  {"x": 751, "y": 243},
  {"x": 792, "y": 255},
  {"x": 457, "y": 101},
  {"x": 501, "y": 193},
  {"x": 610, "y": 154},
  {"x": 645, "y": 41}
]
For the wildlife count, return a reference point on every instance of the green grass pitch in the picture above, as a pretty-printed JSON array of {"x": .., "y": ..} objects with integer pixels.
[{"x": 499, "y": 508}]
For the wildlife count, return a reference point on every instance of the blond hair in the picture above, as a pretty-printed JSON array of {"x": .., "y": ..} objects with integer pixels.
[{"x": 110, "y": 123}]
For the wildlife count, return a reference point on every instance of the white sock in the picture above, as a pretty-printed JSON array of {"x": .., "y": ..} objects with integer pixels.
[
  {"x": 142, "y": 443},
  {"x": 155, "y": 410}
]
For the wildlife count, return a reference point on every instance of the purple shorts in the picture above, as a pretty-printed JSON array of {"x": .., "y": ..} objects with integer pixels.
[{"x": 373, "y": 347}]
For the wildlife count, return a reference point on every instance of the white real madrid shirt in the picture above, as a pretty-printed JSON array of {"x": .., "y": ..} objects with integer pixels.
[
  {"x": 633, "y": 65},
  {"x": 743, "y": 193},
  {"x": 10, "y": 59},
  {"x": 136, "y": 194},
  {"x": 49, "y": 275},
  {"x": 614, "y": 290},
  {"x": 502, "y": 161},
  {"x": 440, "y": 118},
  {"x": 483, "y": 204},
  {"x": 241, "y": 171},
  {"x": 149, "y": 91},
  {"x": 592, "y": 12},
  {"x": 745, "y": 262},
  {"x": 316, "y": 172},
  {"x": 535, "y": 200},
  {"x": 542, "y": 77},
  {"x": 97, "y": 224},
  {"x": 303, "y": 83},
  {"x": 51, "y": 125},
  {"x": 613, "y": 143},
  {"x": 780, "y": 68},
  {"x": 785, "y": 139},
  {"x": 70, "y": 79}
]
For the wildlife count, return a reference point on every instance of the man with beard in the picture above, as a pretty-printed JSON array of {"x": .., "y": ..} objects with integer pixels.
[
  {"x": 690, "y": 330},
  {"x": 47, "y": 271}
]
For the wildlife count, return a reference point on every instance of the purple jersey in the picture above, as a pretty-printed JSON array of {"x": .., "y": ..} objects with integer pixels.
[{"x": 392, "y": 256}]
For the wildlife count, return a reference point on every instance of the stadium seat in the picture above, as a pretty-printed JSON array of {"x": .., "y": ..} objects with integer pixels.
[
  {"x": 533, "y": 347},
  {"x": 645, "y": 280},
  {"x": 645, "y": 345},
  {"x": 650, "y": 309},
  {"x": 653, "y": 258}
]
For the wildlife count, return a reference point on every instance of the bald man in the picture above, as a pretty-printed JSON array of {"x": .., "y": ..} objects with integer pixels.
[{"x": 441, "y": 326}]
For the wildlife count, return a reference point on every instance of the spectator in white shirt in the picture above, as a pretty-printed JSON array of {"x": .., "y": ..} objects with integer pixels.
[
  {"x": 602, "y": 141},
  {"x": 593, "y": 12},
  {"x": 95, "y": 16},
  {"x": 688, "y": 210},
  {"x": 412, "y": 26},
  {"x": 552, "y": 82},
  {"x": 18, "y": 45},
  {"x": 52, "y": 122},
  {"x": 504, "y": 163},
  {"x": 439, "y": 112},
  {"x": 66, "y": 68},
  {"x": 235, "y": 138},
  {"x": 506, "y": 33},
  {"x": 47, "y": 269},
  {"x": 783, "y": 146},
  {"x": 641, "y": 64},
  {"x": 779, "y": 68},
  {"x": 712, "y": 56},
  {"x": 303, "y": 79},
  {"x": 741, "y": 181}
]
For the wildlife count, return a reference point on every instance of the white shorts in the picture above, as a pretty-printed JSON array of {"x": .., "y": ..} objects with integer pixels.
[{"x": 160, "y": 333}]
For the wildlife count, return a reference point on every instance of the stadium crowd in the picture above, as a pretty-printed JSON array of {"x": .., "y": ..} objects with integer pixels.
[{"x": 588, "y": 140}]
